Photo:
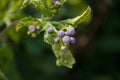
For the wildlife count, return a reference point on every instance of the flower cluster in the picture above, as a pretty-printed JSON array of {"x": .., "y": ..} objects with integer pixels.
[
  {"x": 50, "y": 29},
  {"x": 67, "y": 36},
  {"x": 32, "y": 30},
  {"x": 64, "y": 35}
]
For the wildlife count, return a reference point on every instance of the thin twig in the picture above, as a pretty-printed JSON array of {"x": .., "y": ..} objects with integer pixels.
[{"x": 4, "y": 32}]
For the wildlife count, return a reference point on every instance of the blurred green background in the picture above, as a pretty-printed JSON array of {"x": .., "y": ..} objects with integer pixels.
[{"x": 26, "y": 58}]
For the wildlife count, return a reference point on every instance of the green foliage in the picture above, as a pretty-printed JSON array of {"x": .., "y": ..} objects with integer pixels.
[
  {"x": 3, "y": 10},
  {"x": 47, "y": 7},
  {"x": 63, "y": 59},
  {"x": 27, "y": 21},
  {"x": 49, "y": 38},
  {"x": 8, "y": 9},
  {"x": 34, "y": 59},
  {"x": 79, "y": 19}
]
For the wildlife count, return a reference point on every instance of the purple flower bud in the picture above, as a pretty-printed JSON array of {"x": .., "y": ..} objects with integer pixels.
[
  {"x": 61, "y": 33},
  {"x": 71, "y": 31},
  {"x": 66, "y": 39},
  {"x": 31, "y": 28},
  {"x": 72, "y": 40},
  {"x": 65, "y": 51},
  {"x": 57, "y": 3},
  {"x": 56, "y": 40},
  {"x": 50, "y": 29}
]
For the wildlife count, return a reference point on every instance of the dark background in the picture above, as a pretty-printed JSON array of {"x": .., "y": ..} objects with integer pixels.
[{"x": 97, "y": 49}]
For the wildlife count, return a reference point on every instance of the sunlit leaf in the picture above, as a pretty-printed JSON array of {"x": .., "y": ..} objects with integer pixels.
[
  {"x": 25, "y": 3},
  {"x": 79, "y": 19},
  {"x": 66, "y": 59},
  {"x": 25, "y": 22},
  {"x": 49, "y": 38}
]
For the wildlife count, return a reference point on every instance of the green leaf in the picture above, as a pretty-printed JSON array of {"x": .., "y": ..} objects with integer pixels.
[
  {"x": 3, "y": 9},
  {"x": 16, "y": 4},
  {"x": 40, "y": 4},
  {"x": 49, "y": 37},
  {"x": 63, "y": 1},
  {"x": 48, "y": 3},
  {"x": 79, "y": 19},
  {"x": 8, "y": 10},
  {"x": 25, "y": 22},
  {"x": 63, "y": 59},
  {"x": 25, "y": 3},
  {"x": 44, "y": 6},
  {"x": 47, "y": 7}
]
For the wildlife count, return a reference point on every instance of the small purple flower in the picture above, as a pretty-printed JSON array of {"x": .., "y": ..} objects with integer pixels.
[
  {"x": 65, "y": 51},
  {"x": 56, "y": 40},
  {"x": 61, "y": 33},
  {"x": 66, "y": 39},
  {"x": 50, "y": 29},
  {"x": 72, "y": 40},
  {"x": 31, "y": 28},
  {"x": 71, "y": 31},
  {"x": 57, "y": 3}
]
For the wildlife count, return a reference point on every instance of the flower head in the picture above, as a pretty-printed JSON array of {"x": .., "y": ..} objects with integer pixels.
[
  {"x": 57, "y": 2},
  {"x": 72, "y": 40},
  {"x": 31, "y": 28},
  {"x": 66, "y": 39},
  {"x": 50, "y": 29},
  {"x": 56, "y": 40},
  {"x": 61, "y": 33},
  {"x": 71, "y": 31}
]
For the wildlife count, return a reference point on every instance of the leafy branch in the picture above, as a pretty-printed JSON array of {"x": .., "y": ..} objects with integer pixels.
[{"x": 59, "y": 34}]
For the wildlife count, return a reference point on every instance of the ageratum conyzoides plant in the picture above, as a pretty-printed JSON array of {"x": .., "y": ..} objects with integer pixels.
[{"x": 59, "y": 34}]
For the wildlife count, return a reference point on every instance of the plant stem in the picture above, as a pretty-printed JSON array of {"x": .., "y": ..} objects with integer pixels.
[{"x": 4, "y": 32}]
